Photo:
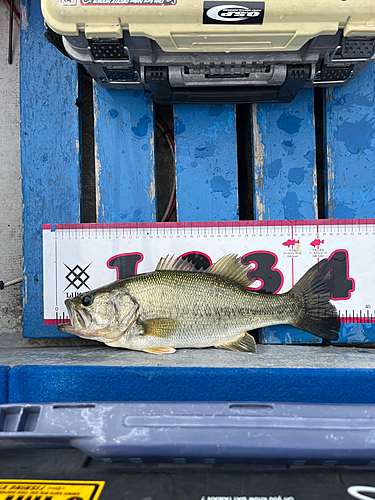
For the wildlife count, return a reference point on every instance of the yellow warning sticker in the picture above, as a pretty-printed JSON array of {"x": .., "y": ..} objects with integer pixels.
[{"x": 14, "y": 489}]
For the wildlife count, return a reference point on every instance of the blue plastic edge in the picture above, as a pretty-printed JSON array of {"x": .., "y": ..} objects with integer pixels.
[{"x": 40, "y": 384}]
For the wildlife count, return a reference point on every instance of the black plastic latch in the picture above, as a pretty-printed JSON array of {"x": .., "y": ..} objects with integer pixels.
[
  {"x": 357, "y": 48},
  {"x": 336, "y": 73},
  {"x": 157, "y": 79},
  {"x": 163, "y": 93},
  {"x": 224, "y": 94},
  {"x": 109, "y": 49},
  {"x": 297, "y": 76},
  {"x": 299, "y": 71},
  {"x": 120, "y": 75}
]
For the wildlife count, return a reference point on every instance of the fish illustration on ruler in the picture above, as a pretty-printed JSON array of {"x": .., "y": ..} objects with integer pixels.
[
  {"x": 290, "y": 243},
  {"x": 178, "y": 306},
  {"x": 316, "y": 243}
]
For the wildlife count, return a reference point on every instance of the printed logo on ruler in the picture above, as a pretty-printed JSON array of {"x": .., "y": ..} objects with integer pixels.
[{"x": 83, "y": 257}]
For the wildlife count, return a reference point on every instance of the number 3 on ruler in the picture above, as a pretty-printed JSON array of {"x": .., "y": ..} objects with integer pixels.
[{"x": 271, "y": 279}]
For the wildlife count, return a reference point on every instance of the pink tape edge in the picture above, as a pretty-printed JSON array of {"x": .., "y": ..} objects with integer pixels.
[{"x": 208, "y": 224}]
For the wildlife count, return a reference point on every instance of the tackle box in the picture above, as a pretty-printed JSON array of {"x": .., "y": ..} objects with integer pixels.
[
  {"x": 185, "y": 51},
  {"x": 241, "y": 450}
]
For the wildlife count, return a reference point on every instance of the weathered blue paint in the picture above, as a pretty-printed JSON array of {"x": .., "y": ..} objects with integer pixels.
[
  {"x": 124, "y": 138},
  {"x": 350, "y": 137},
  {"x": 297, "y": 175},
  {"x": 350, "y": 164},
  {"x": 49, "y": 154},
  {"x": 289, "y": 122},
  {"x": 284, "y": 159},
  {"x": 206, "y": 162},
  {"x": 38, "y": 384},
  {"x": 274, "y": 168},
  {"x": 285, "y": 176}
]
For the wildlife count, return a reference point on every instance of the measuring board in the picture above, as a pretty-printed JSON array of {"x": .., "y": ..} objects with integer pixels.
[{"x": 81, "y": 257}]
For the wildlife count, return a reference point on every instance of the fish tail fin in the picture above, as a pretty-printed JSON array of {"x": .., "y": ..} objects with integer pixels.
[{"x": 313, "y": 292}]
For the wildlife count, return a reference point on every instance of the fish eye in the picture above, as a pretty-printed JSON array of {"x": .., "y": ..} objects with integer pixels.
[{"x": 87, "y": 300}]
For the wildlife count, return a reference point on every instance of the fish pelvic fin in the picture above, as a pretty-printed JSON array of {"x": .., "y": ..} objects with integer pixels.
[
  {"x": 160, "y": 350},
  {"x": 244, "y": 343},
  {"x": 229, "y": 267},
  {"x": 313, "y": 291},
  {"x": 160, "y": 327}
]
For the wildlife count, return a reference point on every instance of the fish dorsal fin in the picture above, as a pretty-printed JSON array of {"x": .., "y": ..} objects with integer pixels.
[
  {"x": 166, "y": 263},
  {"x": 231, "y": 267},
  {"x": 170, "y": 263}
]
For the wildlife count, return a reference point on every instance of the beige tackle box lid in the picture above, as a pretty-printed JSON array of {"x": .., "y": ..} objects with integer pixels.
[{"x": 209, "y": 26}]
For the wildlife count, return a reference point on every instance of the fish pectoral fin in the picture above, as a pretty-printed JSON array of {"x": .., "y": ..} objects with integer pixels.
[
  {"x": 160, "y": 327},
  {"x": 245, "y": 343},
  {"x": 160, "y": 350}
]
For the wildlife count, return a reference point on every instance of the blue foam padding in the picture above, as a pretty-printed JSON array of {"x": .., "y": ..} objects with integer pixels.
[
  {"x": 4, "y": 370},
  {"x": 38, "y": 384}
]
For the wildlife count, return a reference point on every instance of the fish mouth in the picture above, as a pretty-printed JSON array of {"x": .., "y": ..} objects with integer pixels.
[{"x": 80, "y": 320}]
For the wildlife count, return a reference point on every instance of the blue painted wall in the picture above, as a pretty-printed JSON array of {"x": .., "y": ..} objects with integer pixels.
[
  {"x": 49, "y": 154},
  {"x": 350, "y": 140},
  {"x": 284, "y": 159},
  {"x": 206, "y": 162},
  {"x": 125, "y": 166}
]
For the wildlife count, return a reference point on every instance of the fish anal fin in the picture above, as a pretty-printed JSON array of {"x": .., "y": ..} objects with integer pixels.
[
  {"x": 159, "y": 327},
  {"x": 160, "y": 350},
  {"x": 244, "y": 343}
]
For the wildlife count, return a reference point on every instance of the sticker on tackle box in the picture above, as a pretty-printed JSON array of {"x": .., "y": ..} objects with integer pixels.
[
  {"x": 68, "y": 3},
  {"x": 50, "y": 490},
  {"x": 127, "y": 2},
  {"x": 233, "y": 12}
]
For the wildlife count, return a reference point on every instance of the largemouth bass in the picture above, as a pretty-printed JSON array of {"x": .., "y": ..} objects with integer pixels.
[{"x": 177, "y": 306}]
